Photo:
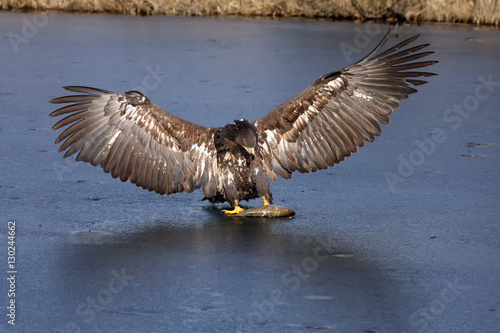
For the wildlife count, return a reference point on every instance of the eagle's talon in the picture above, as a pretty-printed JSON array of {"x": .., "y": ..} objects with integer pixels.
[
  {"x": 236, "y": 210},
  {"x": 265, "y": 201}
]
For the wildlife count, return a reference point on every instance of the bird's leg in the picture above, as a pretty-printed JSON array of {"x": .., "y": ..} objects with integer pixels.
[
  {"x": 237, "y": 209},
  {"x": 265, "y": 201}
]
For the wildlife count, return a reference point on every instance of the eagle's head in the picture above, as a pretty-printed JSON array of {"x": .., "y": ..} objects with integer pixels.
[{"x": 246, "y": 136}]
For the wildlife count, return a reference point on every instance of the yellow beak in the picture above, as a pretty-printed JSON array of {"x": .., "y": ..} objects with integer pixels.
[{"x": 251, "y": 151}]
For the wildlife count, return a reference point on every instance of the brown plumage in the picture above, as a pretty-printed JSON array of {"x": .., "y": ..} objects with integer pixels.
[{"x": 134, "y": 139}]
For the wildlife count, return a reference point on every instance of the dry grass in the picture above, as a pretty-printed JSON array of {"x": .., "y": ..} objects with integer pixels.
[{"x": 468, "y": 11}]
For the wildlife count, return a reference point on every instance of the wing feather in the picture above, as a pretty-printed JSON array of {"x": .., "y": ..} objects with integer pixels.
[
  {"x": 340, "y": 111},
  {"x": 133, "y": 139}
]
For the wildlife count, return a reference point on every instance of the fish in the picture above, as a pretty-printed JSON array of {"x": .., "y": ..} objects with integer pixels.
[{"x": 266, "y": 211}]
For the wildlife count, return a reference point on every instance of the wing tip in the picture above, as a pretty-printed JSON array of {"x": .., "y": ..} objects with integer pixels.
[{"x": 86, "y": 89}]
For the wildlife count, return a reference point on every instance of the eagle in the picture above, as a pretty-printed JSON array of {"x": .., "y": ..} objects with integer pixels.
[{"x": 133, "y": 139}]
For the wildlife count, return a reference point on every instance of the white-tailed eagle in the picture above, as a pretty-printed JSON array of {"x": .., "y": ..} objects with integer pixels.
[{"x": 133, "y": 139}]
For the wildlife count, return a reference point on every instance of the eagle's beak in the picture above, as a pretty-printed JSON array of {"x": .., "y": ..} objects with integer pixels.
[{"x": 251, "y": 151}]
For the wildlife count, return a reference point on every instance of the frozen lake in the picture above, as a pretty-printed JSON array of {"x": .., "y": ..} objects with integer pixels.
[{"x": 403, "y": 236}]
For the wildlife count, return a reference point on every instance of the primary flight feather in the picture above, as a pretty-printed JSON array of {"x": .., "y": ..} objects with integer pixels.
[{"x": 132, "y": 138}]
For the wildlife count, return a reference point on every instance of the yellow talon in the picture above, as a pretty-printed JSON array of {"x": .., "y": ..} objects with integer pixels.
[
  {"x": 265, "y": 201},
  {"x": 237, "y": 209}
]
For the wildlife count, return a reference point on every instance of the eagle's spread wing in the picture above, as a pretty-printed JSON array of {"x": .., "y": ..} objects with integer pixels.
[
  {"x": 134, "y": 139},
  {"x": 335, "y": 115}
]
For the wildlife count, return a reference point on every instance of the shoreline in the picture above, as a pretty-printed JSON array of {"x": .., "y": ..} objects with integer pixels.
[{"x": 484, "y": 14}]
